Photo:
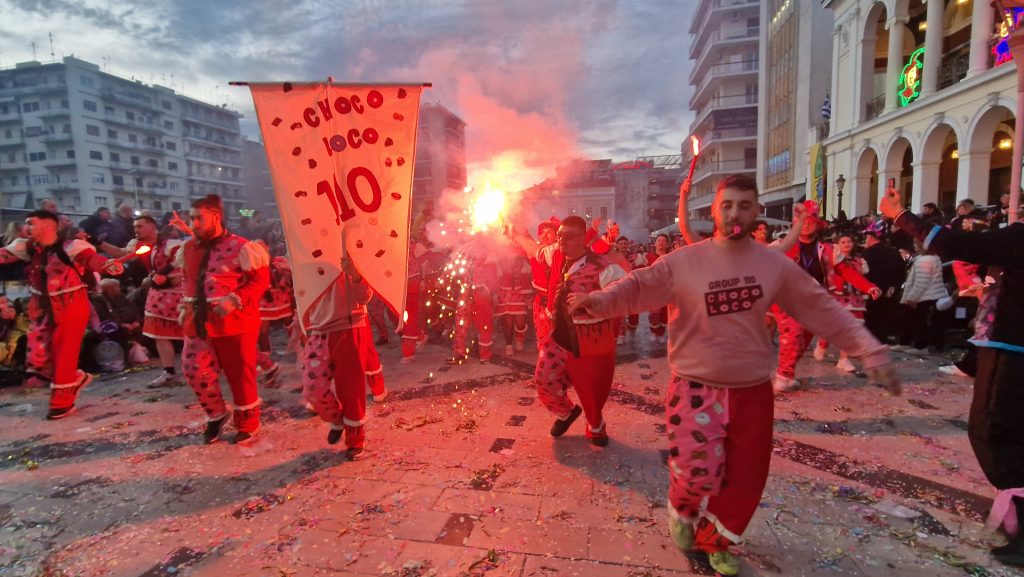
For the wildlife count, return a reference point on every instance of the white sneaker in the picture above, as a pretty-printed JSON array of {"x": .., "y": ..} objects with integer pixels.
[
  {"x": 781, "y": 384},
  {"x": 508, "y": 350},
  {"x": 407, "y": 360},
  {"x": 819, "y": 353},
  {"x": 269, "y": 376},
  {"x": 953, "y": 370},
  {"x": 164, "y": 379},
  {"x": 380, "y": 398},
  {"x": 845, "y": 365}
]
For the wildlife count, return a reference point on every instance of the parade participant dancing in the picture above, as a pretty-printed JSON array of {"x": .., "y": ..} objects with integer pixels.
[
  {"x": 164, "y": 294},
  {"x": 847, "y": 295},
  {"x": 476, "y": 305},
  {"x": 995, "y": 427},
  {"x": 276, "y": 305},
  {"x": 720, "y": 413},
  {"x": 59, "y": 306},
  {"x": 817, "y": 259},
  {"x": 657, "y": 319},
  {"x": 514, "y": 275},
  {"x": 577, "y": 350},
  {"x": 338, "y": 335},
  {"x": 223, "y": 276},
  {"x": 631, "y": 322},
  {"x": 413, "y": 338},
  {"x": 541, "y": 254}
]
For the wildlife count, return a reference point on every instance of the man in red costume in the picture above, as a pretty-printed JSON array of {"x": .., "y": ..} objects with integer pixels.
[
  {"x": 59, "y": 308},
  {"x": 338, "y": 337},
  {"x": 577, "y": 350},
  {"x": 816, "y": 258},
  {"x": 224, "y": 276},
  {"x": 164, "y": 294}
]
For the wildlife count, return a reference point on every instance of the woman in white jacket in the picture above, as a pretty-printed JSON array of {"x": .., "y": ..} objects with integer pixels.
[{"x": 922, "y": 289}]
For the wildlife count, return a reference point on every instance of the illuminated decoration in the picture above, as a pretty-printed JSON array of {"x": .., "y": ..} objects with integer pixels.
[
  {"x": 1001, "y": 49},
  {"x": 910, "y": 78},
  {"x": 955, "y": 155},
  {"x": 1005, "y": 144},
  {"x": 246, "y": 212}
]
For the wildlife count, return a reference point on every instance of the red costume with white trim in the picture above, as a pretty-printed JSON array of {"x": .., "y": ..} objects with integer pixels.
[
  {"x": 477, "y": 304},
  {"x": 58, "y": 311},
  {"x": 412, "y": 335},
  {"x": 514, "y": 286},
  {"x": 336, "y": 352},
  {"x": 591, "y": 367},
  {"x": 275, "y": 305},
  {"x": 225, "y": 268},
  {"x": 162, "y": 301}
]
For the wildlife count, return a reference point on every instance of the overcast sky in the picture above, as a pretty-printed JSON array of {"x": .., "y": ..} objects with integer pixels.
[{"x": 589, "y": 78}]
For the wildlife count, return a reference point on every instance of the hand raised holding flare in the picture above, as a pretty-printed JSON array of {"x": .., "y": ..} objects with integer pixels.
[
  {"x": 179, "y": 224},
  {"x": 683, "y": 211}
]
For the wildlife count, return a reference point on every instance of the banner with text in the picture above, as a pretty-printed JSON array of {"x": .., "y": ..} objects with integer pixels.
[{"x": 341, "y": 159}]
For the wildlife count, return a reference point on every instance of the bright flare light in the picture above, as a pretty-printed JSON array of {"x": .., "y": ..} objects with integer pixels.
[{"x": 488, "y": 209}]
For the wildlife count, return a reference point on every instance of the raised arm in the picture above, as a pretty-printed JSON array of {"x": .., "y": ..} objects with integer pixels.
[
  {"x": 791, "y": 238},
  {"x": 682, "y": 212}
]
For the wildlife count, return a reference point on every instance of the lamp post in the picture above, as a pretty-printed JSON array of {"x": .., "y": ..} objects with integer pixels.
[{"x": 840, "y": 183}]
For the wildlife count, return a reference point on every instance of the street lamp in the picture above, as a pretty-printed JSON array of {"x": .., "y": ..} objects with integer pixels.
[{"x": 840, "y": 183}]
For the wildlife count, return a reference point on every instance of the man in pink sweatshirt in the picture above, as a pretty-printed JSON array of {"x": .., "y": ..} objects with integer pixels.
[{"x": 720, "y": 403}]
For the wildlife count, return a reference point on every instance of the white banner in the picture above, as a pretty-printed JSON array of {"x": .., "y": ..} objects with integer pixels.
[{"x": 341, "y": 159}]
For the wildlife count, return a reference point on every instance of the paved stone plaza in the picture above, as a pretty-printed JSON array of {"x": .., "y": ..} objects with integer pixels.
[{"x": 461, "y": 478}]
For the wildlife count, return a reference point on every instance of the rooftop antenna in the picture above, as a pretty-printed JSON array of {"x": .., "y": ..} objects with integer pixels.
[
  {"x": 33, "y": 50},
  {"x": 52, "y": 55}
]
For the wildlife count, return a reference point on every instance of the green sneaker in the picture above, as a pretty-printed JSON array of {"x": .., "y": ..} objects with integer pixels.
[
  {"x": 724, "y": 563},
  {"x": 681, "y": 533}
]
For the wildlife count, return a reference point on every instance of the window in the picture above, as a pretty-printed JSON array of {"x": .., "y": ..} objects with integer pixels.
[
  {"x": 36, "y": 156},
  {"x": 111, "y": 133},
  {"x": 108, "y": 110},
  {"x": 40, "y": 179},
  {"x": 92, "y": 130},
  {"x": 604, "y": 213},
  {"x": 88, "y": 81},
  {"x": 157, "y": 205},
  {"x": 99, "y": 178},
  {"x": 63, "y": 102},
  {"x": 89, "y": 105},
  {"x": 149, "y": 141},
  {"x": 589, "y": 212},
  {"x": 115, "y": 157},
  {"x": 129, "y": 115},
  {"x": 30, "y": 107},
  {"x": 66, "y": 129},
  {"x": 95, "y": 155},
  {"x": 135, "y": 160},
  {"x": 170, "y": 146},
  {"x": 176, "y": 205},
  {"x": 168, "y": 125},
  {"x": 101, "y": 200},
  {"x": 166, "y": 104},
  {"x": 71, "y": 153},
  {"x": 152, "y": 163},
  {"x": 133, "y": 138},
  {"x": 174, "y": 186},
  {"x": 172, "y": 166},
  {"x": 118, "y": 180},
  {"x": 138, "y": 181}
]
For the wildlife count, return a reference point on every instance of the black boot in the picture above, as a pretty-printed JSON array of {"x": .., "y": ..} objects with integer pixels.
[{"x": 1013, "y": 552}]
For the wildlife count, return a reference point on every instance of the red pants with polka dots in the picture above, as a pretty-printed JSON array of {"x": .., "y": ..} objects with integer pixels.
[
  {"x": 721, "y": 446},
  {"x": 334, "y": 379},
  {"x": 591, "y": 376},
  {"x": 204, "y": 359},
  {"x": 793, "y": 341}
]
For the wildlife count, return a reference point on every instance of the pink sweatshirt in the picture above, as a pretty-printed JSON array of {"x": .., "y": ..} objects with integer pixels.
[{"x": 717, "y": 295}]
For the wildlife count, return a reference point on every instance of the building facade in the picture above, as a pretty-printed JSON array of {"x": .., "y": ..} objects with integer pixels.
[
  {"x": 440, "y": 156},
  {"x": 258, "y": 185},
  {"x": 924, "y": 95},
  {"x": 724, "y": 36},
  {"x": 794, "y": 99},
  {"x": 87, "y": 139}
]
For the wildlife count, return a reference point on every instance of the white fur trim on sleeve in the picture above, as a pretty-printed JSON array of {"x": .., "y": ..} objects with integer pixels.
[
  {"x": 171, "y": 245},
  {"x": 76, "y": 247},
  {"x": 19, "y": 248},
  {"x": 610, "y": 274},
  {"x": 253, "y": 256}
]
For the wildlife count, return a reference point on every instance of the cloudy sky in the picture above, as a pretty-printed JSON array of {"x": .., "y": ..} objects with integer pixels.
[{"x": 550, "y": 78}]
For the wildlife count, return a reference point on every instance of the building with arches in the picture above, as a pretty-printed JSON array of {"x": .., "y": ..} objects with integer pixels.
[{"x": 922, "y": 95}]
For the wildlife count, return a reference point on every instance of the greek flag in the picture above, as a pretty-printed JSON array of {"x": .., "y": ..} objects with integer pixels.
[{"x": 826, "y": 108}]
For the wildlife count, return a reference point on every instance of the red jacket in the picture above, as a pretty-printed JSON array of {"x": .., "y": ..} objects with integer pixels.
[{"x": 236, "y": 267}]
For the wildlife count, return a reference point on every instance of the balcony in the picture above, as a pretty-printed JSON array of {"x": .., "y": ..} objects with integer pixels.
[
  {"x": 954, "y": 68},
  {"x": 222, "y": 124},
  {"x": 59, "y": 162},
  {"x": 720, "y": 72},
  {"x": 874, "y": 107},
  {"x": 705, "y": 11},
  {"x": 725, "y": 103},
  {"x": 62, "y": 189},
  {"x": 12, "y": 144},
  {"x": 729, "y": 135},
  {"x": 59, "y": 113},
  {"x": 13, "y": 166},
  {"x": 214, "y": 141},
  {"x": 715, "y": 168},
  {"x": 133, "y": 99},
  {"x": 59, "y": 138},
  {"x": 10, "y": 117},
  {"x": 215, "y": 179},
  {"x": 212, "y": 159},
  {"x": 718, "y": 45}
]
